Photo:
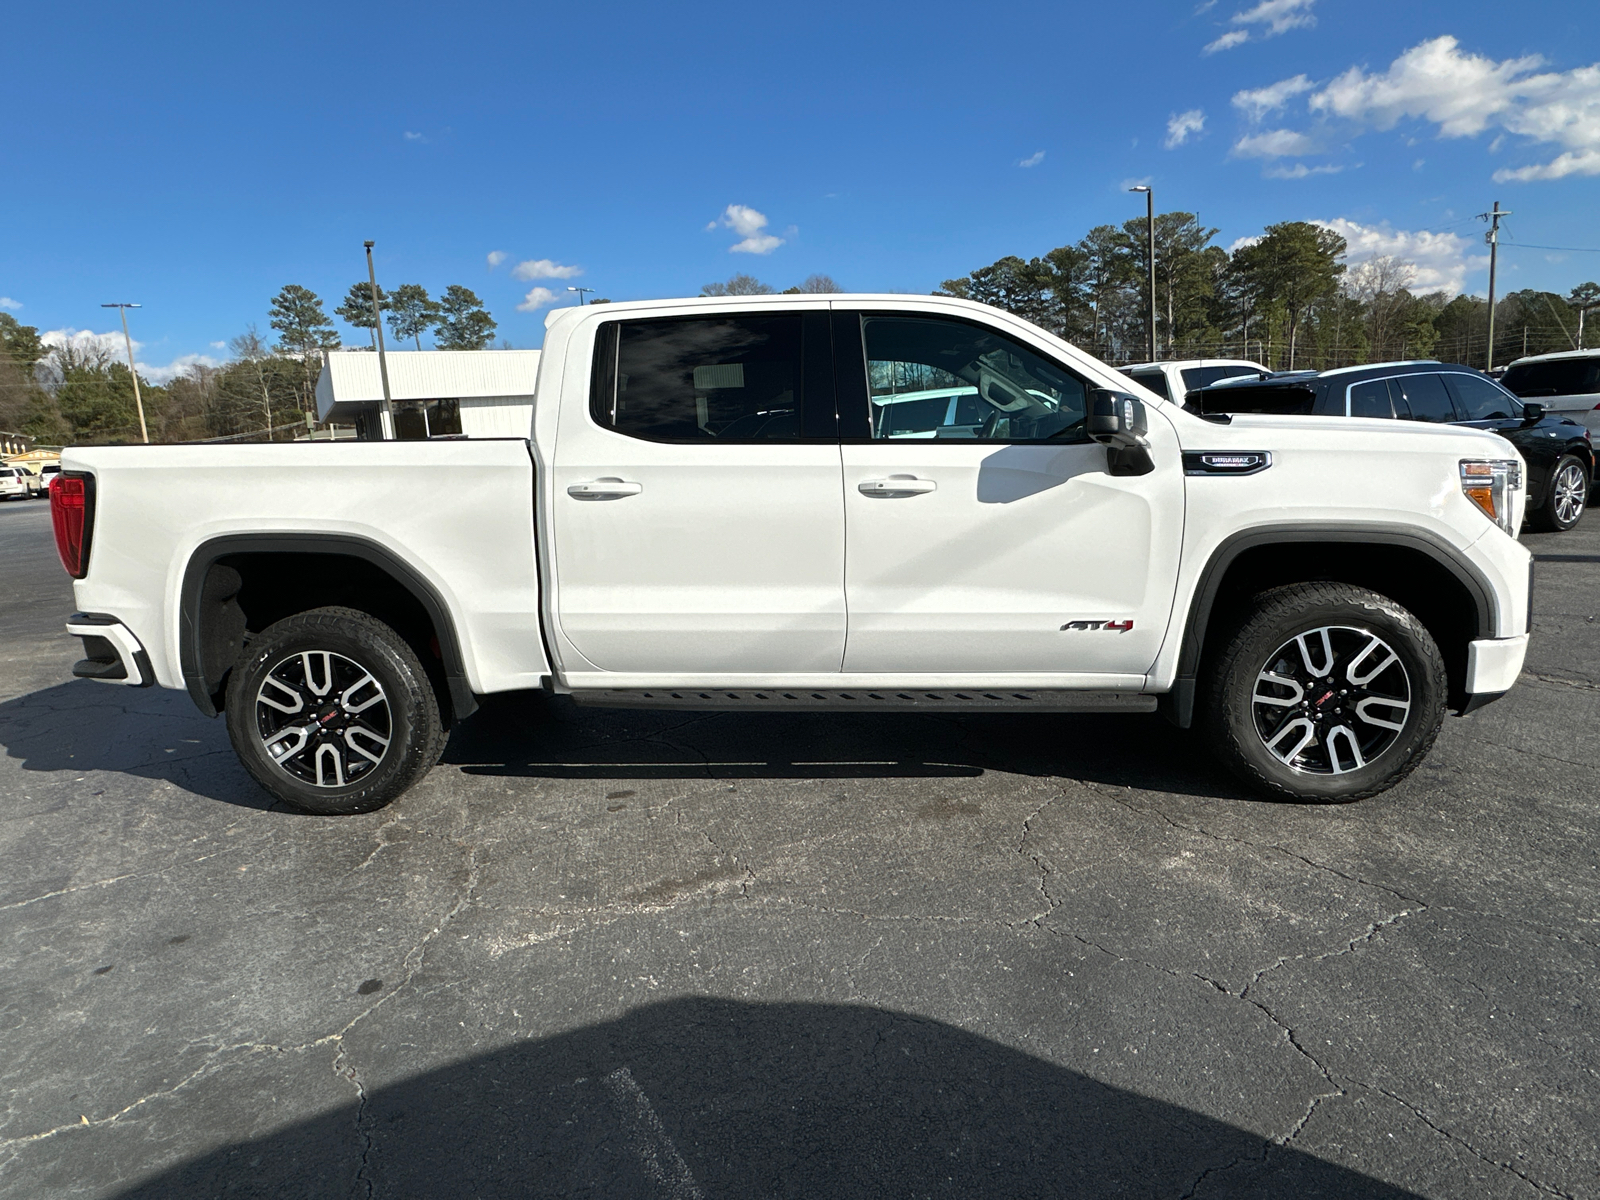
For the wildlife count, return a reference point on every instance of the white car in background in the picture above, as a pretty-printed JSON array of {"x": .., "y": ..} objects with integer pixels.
[
  {"x": 14, "y": 484},
  {"x": 1175, "y": 380},
  {"x": 1567, "y": 384}
]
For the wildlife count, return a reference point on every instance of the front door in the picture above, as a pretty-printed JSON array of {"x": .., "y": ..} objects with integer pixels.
[
  {"x": 1001, "y": 545},
  {"x": 697, "y": 529}
]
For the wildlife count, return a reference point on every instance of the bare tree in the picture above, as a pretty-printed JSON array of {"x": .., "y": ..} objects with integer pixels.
[{"x": 1382, "y": 286}]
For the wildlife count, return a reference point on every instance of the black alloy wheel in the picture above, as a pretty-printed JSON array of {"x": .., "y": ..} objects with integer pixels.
[
  {"x": 331, "y": 711},
  {"x": 1326, "y": 692}
]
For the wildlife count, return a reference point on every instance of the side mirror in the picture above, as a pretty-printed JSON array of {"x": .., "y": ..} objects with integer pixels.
[
  {"x": 1118, "y": 422},
  {"x": 1117, "y": 419},
  {"x": 1532, "y": 411}
]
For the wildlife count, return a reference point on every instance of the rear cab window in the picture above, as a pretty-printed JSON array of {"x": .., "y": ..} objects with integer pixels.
[
  {"x": 716, "y": 378},
  {"x": 1156, "y": 381}
]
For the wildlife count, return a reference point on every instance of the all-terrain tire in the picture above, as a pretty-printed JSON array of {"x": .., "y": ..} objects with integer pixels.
[
  {"x": 357, "y": 692},
  {"x": 1282, "y": 697}
]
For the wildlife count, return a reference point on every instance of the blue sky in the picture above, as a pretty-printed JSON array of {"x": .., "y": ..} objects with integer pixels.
[{"x": 197, "y": 158}]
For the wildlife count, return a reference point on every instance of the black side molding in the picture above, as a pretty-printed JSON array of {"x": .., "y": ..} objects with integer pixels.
[
  {"x": 1179, "y": 704},
  {"x": 191, "y": 648}
]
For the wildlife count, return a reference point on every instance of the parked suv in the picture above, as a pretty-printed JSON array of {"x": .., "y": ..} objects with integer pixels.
[
  {"x": 1566, "y": 383},
  {"x": 1175, "y": 380},
  {"x": 1557, "y": 450}
]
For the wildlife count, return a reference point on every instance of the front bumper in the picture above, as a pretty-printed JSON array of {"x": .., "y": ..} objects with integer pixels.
[
  {"x": 1493, "y": 665},
  {"x": 112, "y": 653}
]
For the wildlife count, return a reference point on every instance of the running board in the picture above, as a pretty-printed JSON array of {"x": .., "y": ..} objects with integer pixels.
[{"x": 862, "y": 700}]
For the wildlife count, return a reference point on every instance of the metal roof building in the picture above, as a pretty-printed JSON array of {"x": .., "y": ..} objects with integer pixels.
[{"x": 478, "y": 393}]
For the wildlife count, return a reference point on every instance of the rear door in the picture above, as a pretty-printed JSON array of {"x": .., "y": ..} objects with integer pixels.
[
  {"x": 697, "y": 524},
  {"x": 1005, "y": 547}
]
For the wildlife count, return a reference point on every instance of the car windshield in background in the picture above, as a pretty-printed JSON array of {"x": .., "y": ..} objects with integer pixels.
[
  {"x": 1280, "y": 399},
  {"x": 1560, "y": 377},
  {"x": 1195, "y": 378}
]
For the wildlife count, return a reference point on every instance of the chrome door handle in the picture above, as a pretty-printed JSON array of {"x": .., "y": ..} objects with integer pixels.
[
  {"x": 897, "y": 485},
  {"x": 604, "y": 489}
]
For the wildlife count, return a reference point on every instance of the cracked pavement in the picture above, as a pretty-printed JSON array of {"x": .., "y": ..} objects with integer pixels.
[{"x": 633, "y": 954}]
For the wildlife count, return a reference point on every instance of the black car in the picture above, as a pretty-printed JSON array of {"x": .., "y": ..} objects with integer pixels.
[{"x": 1557, "y": 450}]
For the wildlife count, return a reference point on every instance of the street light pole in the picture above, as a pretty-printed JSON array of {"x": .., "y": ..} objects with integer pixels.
[
  {"x": 580, "y": 292},
  {"x": 385, "y": 414},
  {"x": 138, "y": 400},
  {"x": 1493, "y": 238},
  {"x": 1150, "y": 228}
]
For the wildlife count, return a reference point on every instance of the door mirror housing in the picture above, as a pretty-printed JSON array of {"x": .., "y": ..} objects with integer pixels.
[
  {"x": 1532, "y": 411},
  {"x": 1116, "y": 419}
]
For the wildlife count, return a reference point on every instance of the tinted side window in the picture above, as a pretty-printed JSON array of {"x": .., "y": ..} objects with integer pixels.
[
  {"x": 1425, "y": 397},
  {"x": 1557, "y": 377},
  {"x": 1196, "y": 378},
  {"x": 917, "y": 365},
  {"x": 1370, "y": 399},
  {"x": 1156, "y": 381},
  {"x": 695, "y": 379},
  {"x": 1481, "y": 400}
]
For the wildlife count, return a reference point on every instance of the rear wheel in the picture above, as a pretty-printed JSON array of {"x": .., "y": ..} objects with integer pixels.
[
  {"x": 331, "y": 711},
  {"x": 1327, "y": 693},
  {"x": 1566, "y": 496}
]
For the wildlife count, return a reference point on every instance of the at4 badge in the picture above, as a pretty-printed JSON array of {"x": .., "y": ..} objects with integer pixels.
[{"x": 1108, "y": 626}]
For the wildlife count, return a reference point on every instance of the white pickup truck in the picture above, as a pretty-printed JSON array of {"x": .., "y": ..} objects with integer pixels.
[{"x": 710, "y": 511}]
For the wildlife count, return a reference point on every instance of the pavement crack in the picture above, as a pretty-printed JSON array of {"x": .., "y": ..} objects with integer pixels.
[
  {"x": 346, "y": 1069},
  {"x": 1043, "y": 867},
  {"x": 1473, "y": 1150},
  {"x": 107, "y": 882}
]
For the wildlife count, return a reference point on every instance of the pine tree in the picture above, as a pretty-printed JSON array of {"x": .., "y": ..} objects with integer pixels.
[
  {"x": 412, "y": 313},
  {"x": 463, "y": 324},
  {"x": 356, "y": 309},
  {"x": 303, "y": 331}
]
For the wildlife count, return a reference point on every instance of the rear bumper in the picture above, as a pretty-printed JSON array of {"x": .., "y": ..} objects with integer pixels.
[{"x": 112, "y": 653}]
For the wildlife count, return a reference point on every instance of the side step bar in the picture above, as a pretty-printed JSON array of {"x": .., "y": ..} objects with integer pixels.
[{"x": 863, "y": 700}]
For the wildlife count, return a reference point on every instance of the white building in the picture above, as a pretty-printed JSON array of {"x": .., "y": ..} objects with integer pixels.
[{"x": 476, "y": 393}]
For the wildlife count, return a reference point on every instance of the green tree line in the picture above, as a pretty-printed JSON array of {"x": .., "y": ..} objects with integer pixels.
[
  {"x": 82, "y": 393},
  {"x": 1287, "y": 299}
]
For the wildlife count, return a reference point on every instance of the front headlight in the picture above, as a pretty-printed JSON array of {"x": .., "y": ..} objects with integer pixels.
[{"x": 1488, "y": 483}]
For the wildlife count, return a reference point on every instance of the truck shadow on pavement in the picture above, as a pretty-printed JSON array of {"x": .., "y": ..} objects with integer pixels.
[
  {"x": 157, "y": 735},
  {"x": 532, "y": 734},
  {"x": 699, "y": 1099}
]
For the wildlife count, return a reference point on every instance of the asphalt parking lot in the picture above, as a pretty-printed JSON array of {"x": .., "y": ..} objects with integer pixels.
[{"x": 671, "y": 955}]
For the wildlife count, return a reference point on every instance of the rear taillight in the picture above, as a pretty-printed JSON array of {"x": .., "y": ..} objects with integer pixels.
[{"x": 72, "y": 513}]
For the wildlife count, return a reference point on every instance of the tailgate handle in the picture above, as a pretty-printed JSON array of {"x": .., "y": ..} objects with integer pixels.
[
  {"x": 897, "y": 485},
  {"x": 604, "y": 489}
]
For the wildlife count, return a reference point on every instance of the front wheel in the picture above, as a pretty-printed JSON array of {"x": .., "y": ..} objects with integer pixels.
[
  {"x": 331, "y": 711},
  {"x": 1326, "y": 693}
]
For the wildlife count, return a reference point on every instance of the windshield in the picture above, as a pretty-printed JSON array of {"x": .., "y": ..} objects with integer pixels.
[
  {"x": 1560, "y": 377},
  {"x": 1195, "y": 378}
]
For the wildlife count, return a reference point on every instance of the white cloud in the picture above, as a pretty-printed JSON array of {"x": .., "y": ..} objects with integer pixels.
[
  {"x": 1234, "y": 37},
  {"x": 111, "y": 346},
  {"x": 1465, "y": 94},
  {"x": 1256, "y": 103},
  {"x": 749, "y": 225},
  {"x": 1277, "y": 16},
  {"x": 1181, "y": 125},
  {"x": 8, "y": 302},
  {"x": 1033, "y": 160},
  {"x": 539, "y": 297},
  {"x": 494, "y": 258},
  {"x": 544, "y": 268},
  {"x": 166, "y": 374},
  {"x": 1275, "y": 143},
  {"x": 219, "y": 345},
  {"x": 1240, "y": 243},
  {"x": 1441, "y": 259},
  {"x": 1299, "y": 171},
  {"x": 1204, "y": 7},
  {"x": 415, "y": 137}
]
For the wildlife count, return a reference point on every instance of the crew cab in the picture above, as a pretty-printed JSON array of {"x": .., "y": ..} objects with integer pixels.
[
  {"x": 1174, "y": 380},
  {"x": 710, "y": 511}
]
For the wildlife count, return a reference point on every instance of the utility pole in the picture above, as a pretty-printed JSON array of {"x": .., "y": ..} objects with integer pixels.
[
  {"x": 1150, "y": 226},
  {"x": 138, "y": 400},
  {"x": 386, "y": 414},
  {"x": 1493, "y": 238}
]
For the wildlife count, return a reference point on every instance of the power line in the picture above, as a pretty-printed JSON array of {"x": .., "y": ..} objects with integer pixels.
[{"x": 1536, "y": 246}]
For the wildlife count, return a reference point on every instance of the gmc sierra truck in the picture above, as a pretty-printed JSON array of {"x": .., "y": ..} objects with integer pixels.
[{"x": 847, "y": 503}]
